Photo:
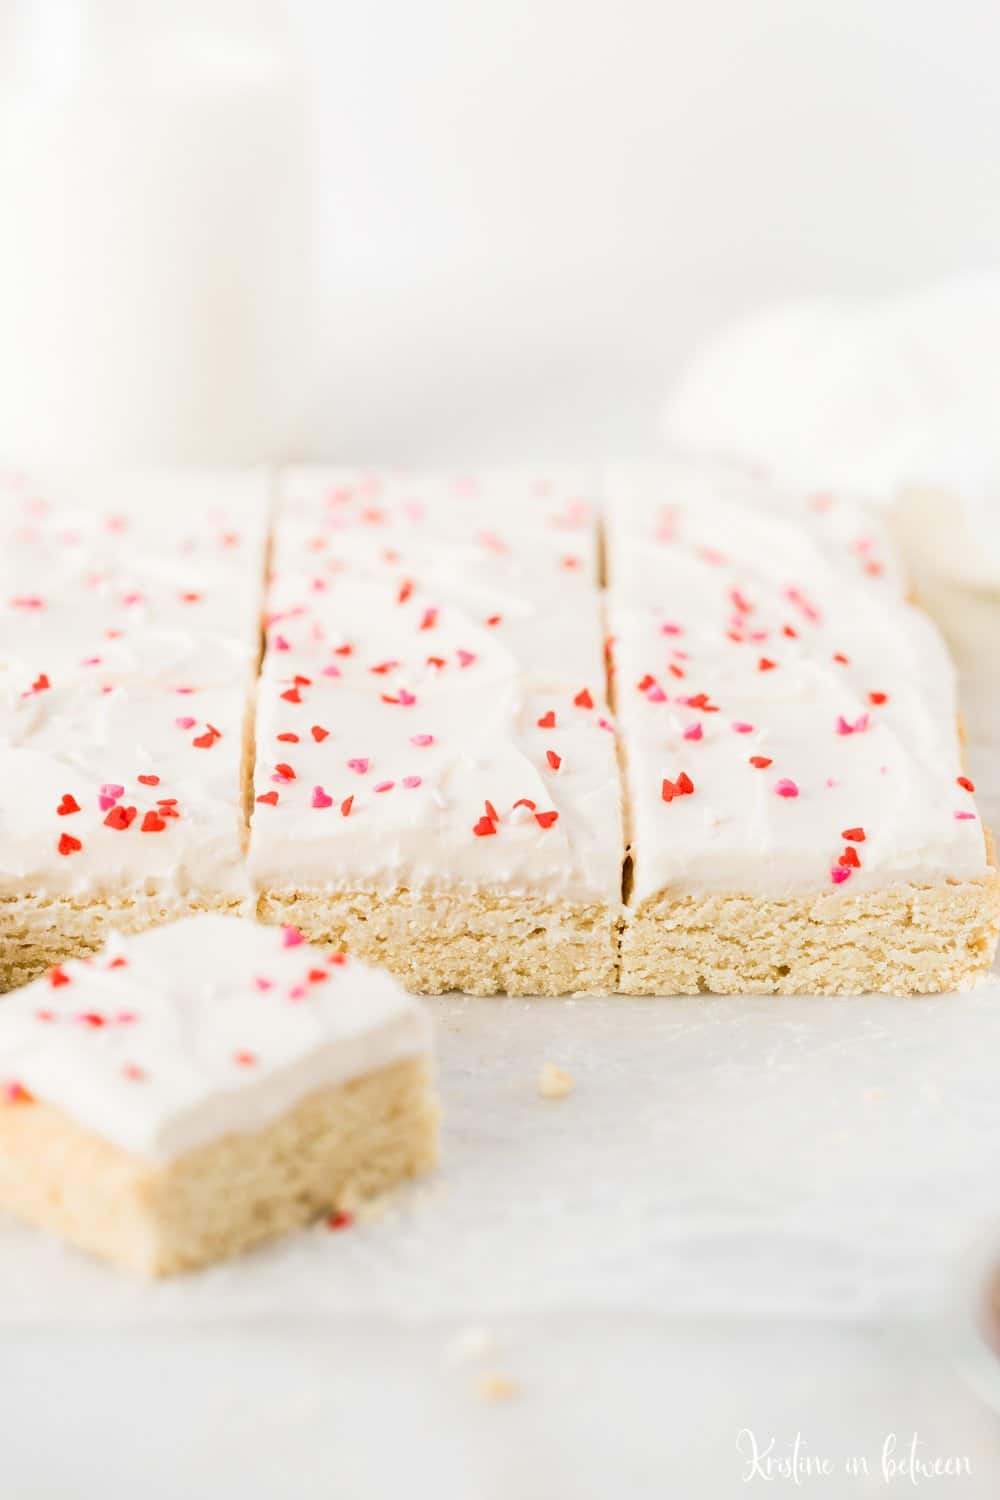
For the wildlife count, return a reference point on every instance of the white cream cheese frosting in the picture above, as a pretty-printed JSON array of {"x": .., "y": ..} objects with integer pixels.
[
  {"x": 129, "y": 630},
  {"x": 199, "y": 1029},
  {"x": 432, "y": 709},
  {"x": 789, "y": 721}
]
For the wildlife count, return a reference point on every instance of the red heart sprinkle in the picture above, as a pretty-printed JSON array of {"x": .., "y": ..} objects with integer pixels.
[
  {"x": 484, "y": 828},
  {"x": 554, "y": 760},
  {"x": 271, "y": 798},
  {"x": 854, "y": 835},
  {"x": 878, "y": 698},
  {"x": 68, "y": 805},
  {"x": 148, "y": 780},
  {"x": 766, "y": 664},
  {"x": 547, "y": 721},
  {"x": 153, "y": 823},
  {"x": 319, "y": 733},
  {"x": 965, "y": 783},
  {"x": 760, "y": 761},
  {"x": 346, "y": 805},
  {"x": 120, "y": 818},
  {"x": 68, "y": 844},
  {"x": 583, "y": 699},
  {"x": 546, "y": 819},
  {"x": 58, "y": 976}
]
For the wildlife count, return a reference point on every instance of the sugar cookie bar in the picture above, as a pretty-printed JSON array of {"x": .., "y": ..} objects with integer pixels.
[
  {"x": 208, "y": 1085},
  {"x": 799, "y": 815},
  {"x": 129, "y": 639},
  {"x": 436, "y": 777}
]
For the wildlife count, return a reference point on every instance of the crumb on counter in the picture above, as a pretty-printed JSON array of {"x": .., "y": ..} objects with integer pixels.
[{"x": 555, "y": 1082}]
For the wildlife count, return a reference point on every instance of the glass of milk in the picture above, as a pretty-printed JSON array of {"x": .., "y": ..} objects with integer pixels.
[{"x": 153, "y": 243}]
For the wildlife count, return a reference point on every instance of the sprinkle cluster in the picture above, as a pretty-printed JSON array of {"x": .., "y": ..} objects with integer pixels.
[
  {"x": 763, "y": 706},
  {"x": 131, "y": 621},
  {"x": 395, "y": 695}
]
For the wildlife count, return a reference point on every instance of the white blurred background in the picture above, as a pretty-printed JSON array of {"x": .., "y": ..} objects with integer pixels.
[
  {"x": 524, "y": 217},
  {"x": 533, "y": 212}
]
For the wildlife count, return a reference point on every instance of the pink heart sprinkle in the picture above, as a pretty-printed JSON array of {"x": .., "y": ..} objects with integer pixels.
[
  {"x": 112, "y": 789},
  {"x": 739, "y": 727},
  {"x": 185, "y": 723},
  {"x": 465, "y": 658},
  {"x": 410, "y": 781},
  {"x": 361, "y": 766},
  {"x": 606, "y": 724},
  {"x": 421, "y": 739},
  {"x": 262, "y": 983},
  {"x": 670, "y": 629},
  {"x": 405, "y": 698},
  {"x": 297, "y": 992},
  {"x": 384, "y": 786},
  {"x": 320, "y": 798},
  {"x": 786, "y": 788},
  {"x": 839, "y": 874},
  {"x": 291, "y": 937},
  {"x": 693, "y": 732},
  {"x": 964, "y": 817},
  {"x": 842, "y": 725},
  {"x": 655, "y": 694},
  {"x": 331, "y": 671}
]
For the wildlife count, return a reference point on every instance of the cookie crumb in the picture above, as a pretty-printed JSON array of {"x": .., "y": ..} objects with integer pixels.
[
  {"x": 496, "y": 1387},
  {"x": 555, "y": 1082},
  {"x": 474, "y": 1342}
]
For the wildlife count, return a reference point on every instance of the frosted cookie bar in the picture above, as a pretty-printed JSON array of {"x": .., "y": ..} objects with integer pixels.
[
  {"x": 129, "y": 640},
  {"x": 191, "y": 1092},
  {"x": 436, "y": 778},
  {"x": 800, "y": 819}
]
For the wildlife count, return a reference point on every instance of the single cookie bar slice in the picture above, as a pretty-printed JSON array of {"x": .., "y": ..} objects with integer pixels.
[
  {"x": 188, "y": 1093},
  {"x": 436, "y": 776},
  {"x": 129, "y": 642},
  {"x": 800, "y": 819}
]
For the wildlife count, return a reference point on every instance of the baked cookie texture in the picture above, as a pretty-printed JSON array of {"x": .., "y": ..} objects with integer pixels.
[
  {"x": 208, "y": 1086},
  {"x": 799, "y": 816},
  {"x": 129, "y": 644},
  {"x": 436, "y": 778}
]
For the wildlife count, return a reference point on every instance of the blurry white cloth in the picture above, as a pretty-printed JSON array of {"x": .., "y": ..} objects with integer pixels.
[{"x": 874, "y": 397}]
